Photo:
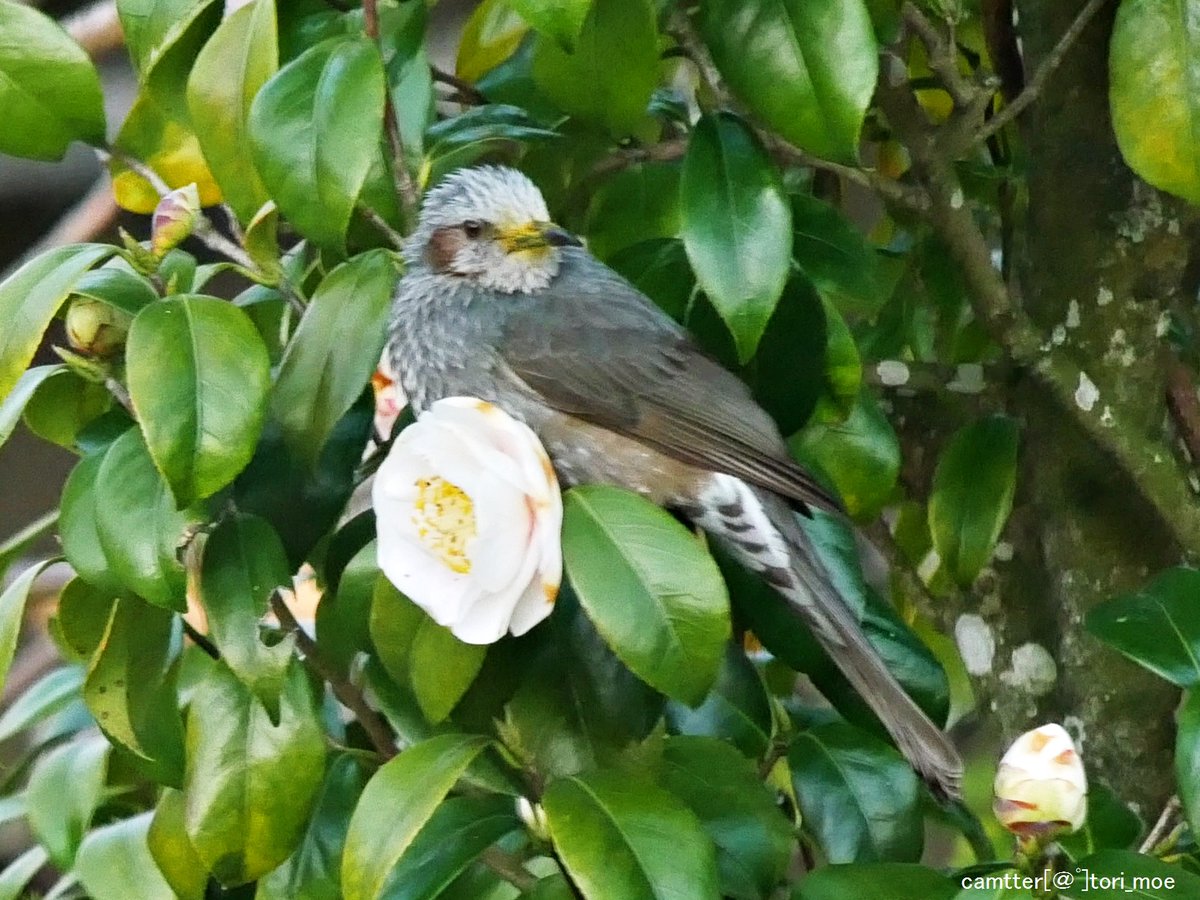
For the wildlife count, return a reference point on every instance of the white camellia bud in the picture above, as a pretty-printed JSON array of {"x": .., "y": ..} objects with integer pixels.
[
  {"x": 1041, "y": 788},
  {"x": 469, "y": 518}
]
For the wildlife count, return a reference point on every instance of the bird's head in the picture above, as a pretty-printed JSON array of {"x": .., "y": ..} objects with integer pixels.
[{"x": 489, "y": 225}]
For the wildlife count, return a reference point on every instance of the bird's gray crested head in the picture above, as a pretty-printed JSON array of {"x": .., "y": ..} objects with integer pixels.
[{"x": 490, "y": 225}]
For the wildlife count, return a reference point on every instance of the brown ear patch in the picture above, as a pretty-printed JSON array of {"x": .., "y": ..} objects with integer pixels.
[{"x": 444, "y": 245}]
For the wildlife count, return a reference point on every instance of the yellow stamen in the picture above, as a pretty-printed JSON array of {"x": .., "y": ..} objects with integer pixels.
[{"x": 445, "y": 520}]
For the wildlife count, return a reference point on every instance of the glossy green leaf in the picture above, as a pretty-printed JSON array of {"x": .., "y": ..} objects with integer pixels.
[
  {"x": 1154, "y": 72},
  {"x": 859, "y": 798},
  {"x": 835, "y": 257},
  {"x": 78, "y": 526},
  {"x": 59, "y": 816},
  {"x": 49, "y": 89},
  {"x": 806, "y": 67},
  {"x": 559, "y": 20},
  {"x": 396, "y": 804},
  {"x": 18, "y": 873},
  {"x": 737, "y": 225},
  {"x": 737, "y": 709},
  {"x": 660, "y": 270},
  {"x": 42, "y": 699},
  {"x": 137, "y": 523},
  {"x": 973, "y": 487},
  {"x": 753, "y": 837},
  {"x": 83, "y": 613},
  {"x": 421, "y": 655},
  {"x": 172, "y": 850},
  {"x": 457, "y": 832},
  {"x": 1120, "y": 874},
  {"x": 243, "y": 563},
  {"x": 402, "y": 31},
  {"x": 313, "y": 872},
  {"x": 64, "y": 405},
  {"x": 118, "y": 286},
  {"x": 199, "y": 375},
  {"x": 861, "y": 456},
  {"x": 250, "y": 784},
  {"x": 314, "y": 132},
  {"x": 344, "y": 613},
  {"x": 14, "y": 404},
  {"x": 318, "y": 380},
  {"x": 237, "y": 60},
  {"x": 1156, "y": 626},
  {"x": 30, "y": 297},
  {"x": 652, "y": 591},
  {"x": 12, "y": 614},
  {"x": 1110, "y": 824},
  {"x": 151, "y": 27},
  {"x": 1187, "y": 757},
  {"x": 623, "y": 838},
  {"x": 115, "y": 863},
  {"x": 638, "y": 204},
  {"x": 491, "y": 35},
  {"x": 131, "y": 693},
  {"x": 876, "y": 881},
  {"x": 608, "y": 78}
]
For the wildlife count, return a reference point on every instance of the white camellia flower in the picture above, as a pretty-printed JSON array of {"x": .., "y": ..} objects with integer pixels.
[
  {"x": 469, "y": 518},
  {"x": 1041, "y": 788}
]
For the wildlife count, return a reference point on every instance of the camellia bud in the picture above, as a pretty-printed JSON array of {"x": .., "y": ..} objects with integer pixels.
[
  {"x": 1041, "y": 788},
  {"x": 173, "y": 219},
  {"x": 95, "y": 328}
]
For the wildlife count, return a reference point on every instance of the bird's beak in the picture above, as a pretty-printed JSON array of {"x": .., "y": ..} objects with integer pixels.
[{"x": 537, "y": 236}]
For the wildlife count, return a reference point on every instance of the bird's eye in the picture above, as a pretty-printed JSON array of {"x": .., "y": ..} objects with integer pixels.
[{"x": 472, "y": 228}]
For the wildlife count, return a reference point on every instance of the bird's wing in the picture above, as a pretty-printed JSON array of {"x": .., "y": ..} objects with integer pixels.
[{"x": 593, "y": 347}]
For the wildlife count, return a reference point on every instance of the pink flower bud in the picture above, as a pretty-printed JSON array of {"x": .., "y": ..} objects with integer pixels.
[{"x": 173, "y": 219}]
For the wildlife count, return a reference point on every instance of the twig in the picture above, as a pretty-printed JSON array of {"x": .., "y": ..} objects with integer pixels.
[
  {"x": 120, "y": 394},
  {"x": 395, "y": 238},
  {"x": 1038, "y": 83},
  {"x": 96, "y": 28},
  {"x": 1185, "y": 408},
  {"x": 1162, "y": 827},
  {"x": 406, "y": 188},
  {"x": 509, "y": 868},
  {"x": 941, "y": 56},
  {"x": 467, "y": 91},
  {"x": 201, "y": 641},
  {"x": 347, "y": 694}
]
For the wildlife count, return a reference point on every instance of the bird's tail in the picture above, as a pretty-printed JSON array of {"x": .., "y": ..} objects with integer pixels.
[{"x": 764, "y": 535}]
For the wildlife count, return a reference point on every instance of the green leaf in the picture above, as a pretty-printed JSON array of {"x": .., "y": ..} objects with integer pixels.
[
  {"x": 30, "y": 297},
  {"x": 623, "y": 838},
  {"x": 638, "y": 204},
  {"x": 137, "y": 523},
  {"x": 12, "y": 614},
  {"x": 421, "y": 655},
  {"x": 973, "y": 487},
  {"x": 14, "y": 404},
  {"x": 318, "y": 380},
  {"x": 152, "y": 27},
  {"x": 457, "y": 832},
  {"x": 559, "y": 20},
  {"x": 18, "y": 873},
  {"x": 1110, "y": 824},
  {"x": 250, "y": 784},
  {"x": 806, "y": 67},
  {"x": 243, "y": 563},
  {"x": 1154, "y": 72},
  {"x": 1124, "y": 873},
  {"x": 237, "y": 60},
  {"x": 754, "y": 839},
  {"x": 172, "y": 849},
  {"x": 63, "y": 406},
  {"x": 660, "y": 270},
  {"x": 314, "y": 132},
  {"x": 49, "y": 89},
  {"x": 737, "y": 709},
  {"x": 115, "y": 863},
  {"x": 876, "y": 881},
  {"x": 402, "y": 28},
  {"x": 652, "y": 591},
  {"x": 58, "y": 815},
  {"x": 1157, "y": 626},
  {"x": 737, "y": 226},
  {"x": 77, "y": 527},
  {"x": 129, "y": 691},
  {"x": 313, "y": 872},
  {"x": 42, "y": 699},
  {"x": 859, "y": 797},
  {"x": 344, "y": 613},
  {"x": 835, "y": 257},
  {"x": 119, "y": 287},
  {"x": 199, "y": 375},
  {"x": 860, "y": 455},
  {"x": 396, "y": 804},
  {"x": 1187, "y": 758},
  {"x": 82, "y": 617},
  {"x": 491, "y": 35},
  {"x": 608, "y": 78}
]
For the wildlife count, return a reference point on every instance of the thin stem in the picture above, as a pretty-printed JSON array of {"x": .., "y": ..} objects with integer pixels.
[
  {"x": 347, "y": 694},
  {"x": 406, "y": 188},
  {"x": 201, "y": 641},
  {"x": 120, "y": 394},
  {"x": 509, "y": 868},
  {"x": 395, "y": 238},
  {"x": 1162, "y": 827},
  {"x": 466, "y": 91}
]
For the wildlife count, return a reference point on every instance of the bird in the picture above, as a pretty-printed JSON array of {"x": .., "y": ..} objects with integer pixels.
[{"x": 498, "y": 302}]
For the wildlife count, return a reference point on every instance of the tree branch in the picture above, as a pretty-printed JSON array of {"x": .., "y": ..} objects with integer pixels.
[
  {"x": 406, "y": 188},
  {"x": 467, "y": 91},
  {"x": 1162, "y": 827}
]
